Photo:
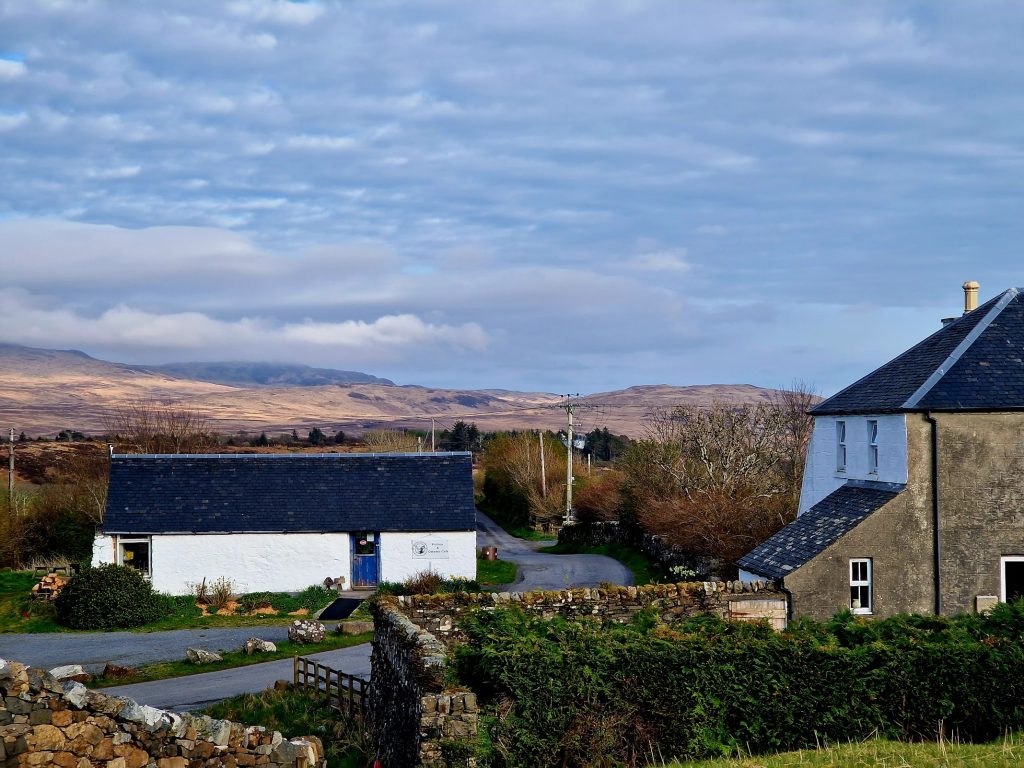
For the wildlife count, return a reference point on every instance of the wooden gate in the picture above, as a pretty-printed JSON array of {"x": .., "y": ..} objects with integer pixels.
[
  {"x": 757, "y": 608},
  {"x": 347, "y": 694}
]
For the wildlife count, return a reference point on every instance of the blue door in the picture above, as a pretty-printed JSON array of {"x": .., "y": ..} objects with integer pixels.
[{"x": 365, "y": 570}]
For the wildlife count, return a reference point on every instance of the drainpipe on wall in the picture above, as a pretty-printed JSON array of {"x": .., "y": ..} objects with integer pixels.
[
  {"x": 936, "y": 516},
  {"x": 781, "y": 586}
]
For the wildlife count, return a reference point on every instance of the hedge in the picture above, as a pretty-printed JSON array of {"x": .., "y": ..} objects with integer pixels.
[
  {"x": 579, "y": 693},
  {"x": 107, "y": 597}
]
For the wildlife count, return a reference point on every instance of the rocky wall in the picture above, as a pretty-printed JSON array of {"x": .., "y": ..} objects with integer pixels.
[
  {"x": 416, "y": 718},
  {"x": 44, "y": 722},
  {"x": 438, "y": 615}
]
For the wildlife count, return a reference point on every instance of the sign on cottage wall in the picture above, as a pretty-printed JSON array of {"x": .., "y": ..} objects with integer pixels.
[{"x": 430, "y": 549}]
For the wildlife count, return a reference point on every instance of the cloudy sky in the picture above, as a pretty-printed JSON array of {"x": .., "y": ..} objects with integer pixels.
[{"x": 561, "y": 196}]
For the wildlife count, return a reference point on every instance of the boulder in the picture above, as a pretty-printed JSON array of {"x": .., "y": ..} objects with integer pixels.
[
  {"x": 354, "y": 627},
  {"x": 202, "y": 656},
  {"x": 117, "y": 671},
  {"x": 71, "y": 672},
  {"x": 304, "y": 631},
  {"x": 256, "y": 645}
]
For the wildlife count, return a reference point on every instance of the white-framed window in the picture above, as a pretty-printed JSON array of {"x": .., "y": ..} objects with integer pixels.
[
  {"x": 873, "y": 446},
  {"x": 860, "y": 585},
  {"x": 840, "y": 446},
  {"x": 1011, "y": 578},
  {"x": 136, "y": 553}
]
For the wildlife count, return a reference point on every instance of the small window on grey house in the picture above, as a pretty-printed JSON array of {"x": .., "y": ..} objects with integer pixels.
[
  {"x": 840, "y": 446},
  {"x": 873, "y": 446},
  {"x": 134, "y": 553},
  {"x": 860, "y": 585}
]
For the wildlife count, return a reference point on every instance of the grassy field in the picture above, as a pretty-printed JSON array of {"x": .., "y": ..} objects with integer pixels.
[
  {"x": 346, "y": 742},
  {"x": 18, "y": 613},
  {"x": 232, "y": 659},
  {"x": 884, "y": 754},
  {"x": 644, "y": 570},
  {"x": 490, "y": 572}
]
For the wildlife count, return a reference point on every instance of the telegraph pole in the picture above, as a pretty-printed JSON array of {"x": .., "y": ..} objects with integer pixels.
[
  {"x": 10, "y": 473},
  {"x": 431, "y": 435},
  {"x": 569, "y": 406},
  {"x": 543, "y": 472}
]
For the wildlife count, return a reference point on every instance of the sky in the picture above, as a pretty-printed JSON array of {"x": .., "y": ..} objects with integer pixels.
[{"x": 553, "y": 196}]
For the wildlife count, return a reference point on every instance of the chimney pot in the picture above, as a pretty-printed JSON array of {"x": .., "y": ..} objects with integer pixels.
[{"x": 970, "y": 296}]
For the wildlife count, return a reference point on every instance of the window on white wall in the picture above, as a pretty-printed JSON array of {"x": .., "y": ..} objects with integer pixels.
[
  {"x": 860, "y": 585},
  {"x": 840, "y": 446},
  {"x": 873, "y": 446},
  {"x": 135, "y": 553}
]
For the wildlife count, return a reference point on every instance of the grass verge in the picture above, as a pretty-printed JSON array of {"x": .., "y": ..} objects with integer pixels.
[
  {"x": 232, "y": 659},
  {"x": 514, "y": 527},
  {"x": 644, "y": 570},
  {"x": 490, "y": 572},
  {"x": 888, "y": 754},
  {"x": 301, "y": 713}
]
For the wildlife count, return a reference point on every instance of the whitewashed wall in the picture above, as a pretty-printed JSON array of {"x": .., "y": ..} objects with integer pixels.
[
  {"x": 398, "y": 562},
  {"x": 288, "y": 562},
  {"x": 820, "y": 475}
]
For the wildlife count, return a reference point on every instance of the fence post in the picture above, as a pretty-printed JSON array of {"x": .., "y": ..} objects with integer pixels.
[{"x": 295, "y": 671}]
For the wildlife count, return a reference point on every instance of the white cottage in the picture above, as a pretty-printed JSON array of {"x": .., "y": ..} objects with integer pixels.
[{"x": 282, "y": 522}]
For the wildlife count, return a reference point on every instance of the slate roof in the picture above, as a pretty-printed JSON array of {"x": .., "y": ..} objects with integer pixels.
[
  {"x": 816, "y": 528},
  {"x": 974, "y": 363},
  {"x": 290, "y": 493}
]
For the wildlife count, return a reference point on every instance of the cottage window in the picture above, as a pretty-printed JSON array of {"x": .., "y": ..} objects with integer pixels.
[
  {"x": 135, "y": 553},
  {"x": 840, "y": 446},
  {"x": 1012, "y": 567},
  {"x": 873, "y": 446},
  {"x": 860, "y": 585}
]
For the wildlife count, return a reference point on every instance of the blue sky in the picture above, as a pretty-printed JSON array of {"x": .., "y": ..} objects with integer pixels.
[{"x": 560, "y": 196}]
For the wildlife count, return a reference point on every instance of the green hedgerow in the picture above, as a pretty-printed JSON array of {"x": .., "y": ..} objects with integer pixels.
[{"x": 108, "y": 597}]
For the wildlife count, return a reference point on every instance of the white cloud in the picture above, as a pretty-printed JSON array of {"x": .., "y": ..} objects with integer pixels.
[
  {"x": 328, "y": 143},
  {"x": 8, "y": 122},
  {"x": 661, "y": 261},
  {"x": 12, "y": 70}
]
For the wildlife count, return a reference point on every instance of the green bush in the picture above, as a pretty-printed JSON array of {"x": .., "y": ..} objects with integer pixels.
[
  {"x": 108, "y": 597},
  {"x": 581, "y": 693}
]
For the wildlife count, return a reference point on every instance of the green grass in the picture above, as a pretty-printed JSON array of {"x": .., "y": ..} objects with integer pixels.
[
  {"x": 19, "y": 613},
  {"x": 884, "y": 754},
  {"x": 232, "y": 659},
  {"x": 495, "y": 571},
  {"x": 644, "y": 570},
  {"x": 346, "y": 741},
  {"x": 514, "y": 527}
]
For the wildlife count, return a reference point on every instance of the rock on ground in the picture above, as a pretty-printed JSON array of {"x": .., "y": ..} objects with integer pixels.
[
  {"x": 202, "y": 656},
  {"x": 306, "y": 631},
  {"x": 255, "y": 645}
]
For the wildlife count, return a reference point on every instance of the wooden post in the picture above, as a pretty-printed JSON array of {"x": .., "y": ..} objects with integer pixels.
[{"x": 295, "y": 671}]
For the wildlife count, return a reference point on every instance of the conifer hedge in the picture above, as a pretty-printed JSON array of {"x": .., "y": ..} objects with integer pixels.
[{"x": 579, "y": 693}]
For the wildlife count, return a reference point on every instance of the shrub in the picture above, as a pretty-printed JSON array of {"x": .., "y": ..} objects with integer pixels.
[
  {"x": 423, "y": 583},
  {"x": 428, "y": 583},
  {"x": 582, "y": 693},
  {"x": 221, "y": 592},
  {"x": 111, "y": 596}
]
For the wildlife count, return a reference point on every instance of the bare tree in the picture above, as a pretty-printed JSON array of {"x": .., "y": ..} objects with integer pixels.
[
  {"x": 389, "y": 441},
  {"x": 146, "y": 427}
]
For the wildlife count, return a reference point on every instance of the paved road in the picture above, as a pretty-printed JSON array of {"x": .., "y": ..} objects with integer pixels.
[
  {"x": 198, "y": 691},
  {"x": 93, "y": 650},
  {"x": 541, "y": 571}
]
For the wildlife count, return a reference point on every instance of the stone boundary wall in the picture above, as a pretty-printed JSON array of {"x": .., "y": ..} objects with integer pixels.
[
  {"x": 438, "y": 615},
  {"x": 44, "y": 722},
  {"x": 597, "y": 533},
  {"x": 413, "y": 713}
]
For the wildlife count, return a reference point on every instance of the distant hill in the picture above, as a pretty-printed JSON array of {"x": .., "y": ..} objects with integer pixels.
[
  {"x": 242, "y": 374},
  {"x": 43, "y": 391}
]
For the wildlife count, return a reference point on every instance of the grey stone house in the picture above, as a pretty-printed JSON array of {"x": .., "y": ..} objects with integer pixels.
[{"x": 913, "y": 492}]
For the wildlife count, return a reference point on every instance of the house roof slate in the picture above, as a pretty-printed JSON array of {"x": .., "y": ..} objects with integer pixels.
[
  {"x": 816, "y": 528},
  {"x": 290, "y": 493},
  {"x": 976, "y": 362}
]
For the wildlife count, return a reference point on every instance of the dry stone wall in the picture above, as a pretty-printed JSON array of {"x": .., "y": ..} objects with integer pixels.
[
  {"x": 419, "y": 720},
  {"x": 44, "y": 722}
]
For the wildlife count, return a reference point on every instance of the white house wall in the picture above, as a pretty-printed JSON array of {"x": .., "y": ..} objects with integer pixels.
[
  {"x": 399, "y": 561},
  {"x": 820, "y": 474}
]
